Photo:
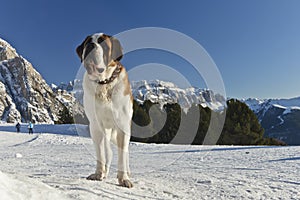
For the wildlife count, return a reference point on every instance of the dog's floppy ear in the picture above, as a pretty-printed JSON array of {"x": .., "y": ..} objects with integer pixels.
[
  {"x": 116, "y": 51},
  {"x": 79, "y": 49}
]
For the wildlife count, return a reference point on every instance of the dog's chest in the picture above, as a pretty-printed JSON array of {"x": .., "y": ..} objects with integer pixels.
[
  {"x": 104, "y": 93},
  {"x": 108, "y": 102}
]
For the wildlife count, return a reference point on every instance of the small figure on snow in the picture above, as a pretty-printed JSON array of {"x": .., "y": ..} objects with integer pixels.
[
  {"x": 30, "y": 128},
  {"x": 18, "y": 126}
]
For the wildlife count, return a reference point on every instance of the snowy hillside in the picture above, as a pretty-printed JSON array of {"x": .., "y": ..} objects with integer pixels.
[
  {"x": 24, "y": 94},
  {"x": 279, "y": 117},
  {"x": 54, "y": 166}
]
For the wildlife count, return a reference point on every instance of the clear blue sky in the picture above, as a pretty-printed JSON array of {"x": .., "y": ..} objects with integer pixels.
[{"x": 255, "y": 44}]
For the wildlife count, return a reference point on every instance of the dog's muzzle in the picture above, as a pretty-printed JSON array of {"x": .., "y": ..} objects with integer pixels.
[{"x": 92, "y": 60}]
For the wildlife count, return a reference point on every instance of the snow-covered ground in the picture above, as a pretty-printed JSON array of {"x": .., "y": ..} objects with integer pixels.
[{"x": 48, "y": 165}]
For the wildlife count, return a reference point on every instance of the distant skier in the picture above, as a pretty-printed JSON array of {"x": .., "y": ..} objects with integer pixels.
[
  {"x": 30, "y": 128},
  {"x": 18, "y": 126}
]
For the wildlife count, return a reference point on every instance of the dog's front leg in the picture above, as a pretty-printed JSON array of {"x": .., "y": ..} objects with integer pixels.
[
  {"x": 108, "y": 153},
  {"x": 99, "y": 143}
]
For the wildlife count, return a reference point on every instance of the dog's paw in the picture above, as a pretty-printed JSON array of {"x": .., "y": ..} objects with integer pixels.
[
  {"x": 96, "y": 177},
  {"x": 125, "y": 183}
]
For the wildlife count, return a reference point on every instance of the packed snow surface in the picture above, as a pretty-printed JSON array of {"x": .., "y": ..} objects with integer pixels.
[{"x": 49, "y": 165}]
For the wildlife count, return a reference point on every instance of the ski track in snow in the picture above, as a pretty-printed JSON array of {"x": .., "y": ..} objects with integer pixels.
[{"x": 53, "y": 166}]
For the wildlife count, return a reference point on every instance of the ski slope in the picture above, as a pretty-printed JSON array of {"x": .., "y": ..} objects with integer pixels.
[{"x": 54, "y": 166}]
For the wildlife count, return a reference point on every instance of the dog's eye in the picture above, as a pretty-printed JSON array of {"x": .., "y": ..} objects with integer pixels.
[
  {"x": 87, "y": 40},
  {"x": 100, "y": 40}
]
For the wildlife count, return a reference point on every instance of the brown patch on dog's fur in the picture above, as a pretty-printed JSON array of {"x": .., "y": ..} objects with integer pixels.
[
  {"x": 112, "y": 64},
  {"x": 126, "y": 83},
  {"x": 114, "y": 51}
]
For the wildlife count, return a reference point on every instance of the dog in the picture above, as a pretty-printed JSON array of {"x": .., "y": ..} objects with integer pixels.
[{"x": 108, "y": 103}]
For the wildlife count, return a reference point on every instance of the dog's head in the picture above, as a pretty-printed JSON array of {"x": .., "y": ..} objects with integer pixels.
[{"x": 98, "y": 53}]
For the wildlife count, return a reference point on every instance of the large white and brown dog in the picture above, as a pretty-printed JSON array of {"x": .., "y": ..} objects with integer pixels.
[{"x": 108, "y": 103}]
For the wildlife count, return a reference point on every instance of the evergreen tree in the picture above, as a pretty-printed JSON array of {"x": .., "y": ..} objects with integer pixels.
[
  {"x": 241, "y": 125},
  {"x": 205, "y": 115},
  {"x": 65, "y": 117}
]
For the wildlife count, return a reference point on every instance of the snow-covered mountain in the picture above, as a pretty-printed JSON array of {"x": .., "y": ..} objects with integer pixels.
[
  {"x": 24, "y": 94},
  {"x": 259, "y": 105},
  {"x": 73, "y": 88},
  {"x": 63, "y": 86},
  {"x": 163, "y": 92},
  {"x": 279, "y": 117}
]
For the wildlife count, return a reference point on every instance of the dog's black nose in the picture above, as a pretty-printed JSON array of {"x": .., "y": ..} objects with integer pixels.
[{"x": 100, "y": 70}]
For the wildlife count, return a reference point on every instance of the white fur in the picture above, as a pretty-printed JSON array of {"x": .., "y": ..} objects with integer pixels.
[{"x": 109, "y": 110}]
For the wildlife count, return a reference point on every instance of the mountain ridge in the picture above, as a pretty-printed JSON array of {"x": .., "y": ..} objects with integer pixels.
[
  {"x": 25, "y": 95},
  {"x": 279, "y": 117},
  {"x": 164, "y": 92}
]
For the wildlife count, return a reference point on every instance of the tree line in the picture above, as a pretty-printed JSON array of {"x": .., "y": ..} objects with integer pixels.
[
  {"x": 241, "y": 126},
  {"x": 153, "y": 123}
]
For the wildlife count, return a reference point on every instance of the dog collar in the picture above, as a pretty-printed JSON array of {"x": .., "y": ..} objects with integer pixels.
[{"x": 114, "y": 75}]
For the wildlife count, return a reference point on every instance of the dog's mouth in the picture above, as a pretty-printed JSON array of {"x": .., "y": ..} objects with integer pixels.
[
  {"x": 95, "y": 71},
  {"x": 94, "y": 66}
]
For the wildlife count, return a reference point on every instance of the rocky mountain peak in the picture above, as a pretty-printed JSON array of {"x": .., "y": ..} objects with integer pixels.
[
  {"x": 25, "y": 95},
  {"x": 6, "y": 51},
  {"x": 163, "y": 92}
]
